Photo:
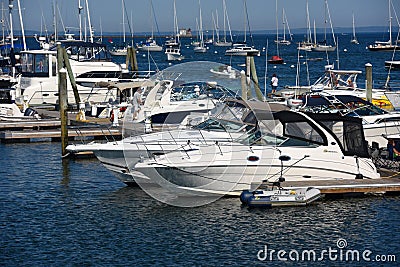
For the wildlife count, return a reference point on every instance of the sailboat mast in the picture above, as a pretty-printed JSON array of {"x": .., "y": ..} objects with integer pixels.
[
  {"x": 176, "y": 23},
  {"x": 22, "y": 25},
  {"x": 325, "y": 21},
  {"x": 315, "y": 34},
  {"x": 276, "y": 21},
  {"x": 2, "y": 23},
  {"x": 201, "y": 27},
  {"x": 224, "y": 9},
  {"x": 330, "y": 22},
  {"x": 245, "y": 24},
  {"x": 89, "y": 22},
  {"x": 10, "y": 7},
  {"x": 123, "y": 22},
  {"x": 390, "y": 23},
  {"x": 216, "y": 25},
  {"x": 227, "y": 20},
  {"x": 283, "y": 23},
  {"x": 354, "y": 30},
  {"x": 80, "y": 19},
  {"x": 309, "y": 38}
]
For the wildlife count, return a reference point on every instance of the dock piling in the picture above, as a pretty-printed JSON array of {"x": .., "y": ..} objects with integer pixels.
[
  {"x": 62, "y": 87},
  {"x": 368, "y": 77}
]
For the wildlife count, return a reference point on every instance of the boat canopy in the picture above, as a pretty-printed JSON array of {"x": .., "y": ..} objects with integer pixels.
[
  {"x": 347, "y": 131},
  {"x": 345, "y": 104}
]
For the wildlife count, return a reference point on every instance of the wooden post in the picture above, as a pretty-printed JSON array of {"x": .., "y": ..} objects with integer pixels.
[
  {"x": 244, "y": 85},
  {"x": 255, "y": 79},
  {"x": 62, "y": 90},
  {"x": 134, "y": 60},
  {"x": 71, "y": 77},
  {"x": 248, "y": 60},
  {"x": 60, "y": 57},
  {"x": 128, "y": 57},
  {"x": 368, "y": 76},
  {"x": 131, "y": 59}
]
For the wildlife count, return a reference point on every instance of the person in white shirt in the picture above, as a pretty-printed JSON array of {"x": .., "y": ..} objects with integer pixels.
[
  {"x": 136, "y": 102},
  {"x": 274, "y": 83}
]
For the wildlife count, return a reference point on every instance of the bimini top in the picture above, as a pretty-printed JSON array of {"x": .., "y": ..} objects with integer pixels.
[
  {"x": 343, "y": 104},
  {"x": 321, "y": 100}
]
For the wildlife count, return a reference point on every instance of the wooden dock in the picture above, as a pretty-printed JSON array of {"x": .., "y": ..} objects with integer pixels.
[
  {"x": 29, "y": 124},
  {"x": 55, "y": 135},
  {"x": 351, "y": 187}
]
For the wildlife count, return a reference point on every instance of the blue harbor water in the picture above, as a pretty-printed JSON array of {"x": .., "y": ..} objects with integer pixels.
[{"x": 76, "y": 213}]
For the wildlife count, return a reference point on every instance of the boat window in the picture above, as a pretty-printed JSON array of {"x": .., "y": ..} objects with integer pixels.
[
  {"x": 257, "y": 138},
  {"x": 189, "y": 91},
  {"x": 36, "y": 65},
  {"x": 303, "y": 131}
]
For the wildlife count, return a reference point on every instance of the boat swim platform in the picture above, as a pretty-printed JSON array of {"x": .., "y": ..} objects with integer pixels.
[
  {"x": 54, "y": 135},
  {"x": 349, "y": 187}
]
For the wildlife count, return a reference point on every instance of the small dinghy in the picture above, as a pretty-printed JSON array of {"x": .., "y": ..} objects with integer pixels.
[{"x": 280, "y": 197}]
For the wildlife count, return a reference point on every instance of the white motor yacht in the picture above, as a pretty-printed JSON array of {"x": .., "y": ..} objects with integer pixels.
[
  {"x": 341, "y": 82},
  {"x": 223, "y": 124},
  {"x": 298, "y": 146},
  {"x": 376, "y": 121},
  {"x": 90, "y": 63},
  {"x": 242, "y": 50}
]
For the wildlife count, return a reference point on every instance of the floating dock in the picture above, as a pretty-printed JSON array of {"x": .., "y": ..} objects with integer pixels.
[
  {"x": 29, "y": 124},
  {"x": 351, "y": 187},
  {"x": 55, "y": 135}
]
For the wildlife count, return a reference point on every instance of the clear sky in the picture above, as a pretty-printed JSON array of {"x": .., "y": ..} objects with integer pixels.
[{"x": 108, "y": 13}]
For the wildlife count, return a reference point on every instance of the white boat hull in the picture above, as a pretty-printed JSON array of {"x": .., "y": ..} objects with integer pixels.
[
  {"x": 230, "y": 172},
  {"x": 323, "y": 48}
]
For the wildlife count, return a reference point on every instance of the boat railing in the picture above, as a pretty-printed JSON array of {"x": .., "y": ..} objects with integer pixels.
[{"x": 106, "y": 131}]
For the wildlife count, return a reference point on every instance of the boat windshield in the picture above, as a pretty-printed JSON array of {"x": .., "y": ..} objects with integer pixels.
[
  {"x": 230, "y": 111},
  {"x": 366, "y": 110},
  {"x": 218, "y": 125},
  {"x": 37, "y": 65},
  {"x": 85, "y": 51},
  {"x": 285, "y": 133},
  {"x": 342, "y": 79},
  {"x": 194, "y": 90}
]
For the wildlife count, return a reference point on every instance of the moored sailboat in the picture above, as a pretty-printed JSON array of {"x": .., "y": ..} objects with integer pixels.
[
  {"x": 354, "y": 39},
  {"x": 385, "y": 45}
]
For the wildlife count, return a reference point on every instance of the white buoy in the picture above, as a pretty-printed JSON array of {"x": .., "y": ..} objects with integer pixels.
[
  {"x": 292, "y": 66},
  {"x": 345, "y": 50},
  {"x": 274, "y": 67},
  {"x": 215, "y": 52}
]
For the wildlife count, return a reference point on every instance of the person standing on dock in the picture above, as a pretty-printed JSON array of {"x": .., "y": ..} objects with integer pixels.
[
  {"x": 274, "y": 83},
  {"x": 137, "y": 102},
  {"x": 393, "y": 149}
]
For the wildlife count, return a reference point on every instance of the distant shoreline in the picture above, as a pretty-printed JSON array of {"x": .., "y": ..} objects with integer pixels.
[{"x": 166, "y": 35}]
